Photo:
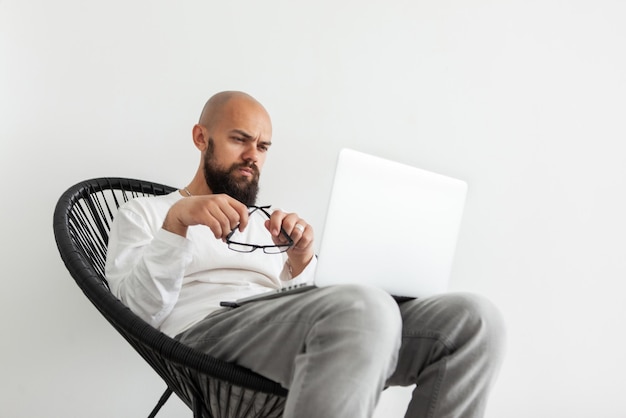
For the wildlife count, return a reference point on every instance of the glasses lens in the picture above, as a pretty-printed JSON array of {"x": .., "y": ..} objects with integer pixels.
[
  {"x": 259, "y": 239},
  {"x": 277, "y": 249},
  {"x": 242, "y": 248}
]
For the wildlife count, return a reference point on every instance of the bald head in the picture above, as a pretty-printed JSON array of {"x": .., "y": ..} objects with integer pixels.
[{"x": 219, "y": 103}]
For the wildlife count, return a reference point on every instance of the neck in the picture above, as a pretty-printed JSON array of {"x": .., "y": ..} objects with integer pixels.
[{"x": 197, "y": 186}]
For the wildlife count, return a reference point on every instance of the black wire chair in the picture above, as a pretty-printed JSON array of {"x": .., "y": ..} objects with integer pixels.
[{"x": 210, "y": 387}]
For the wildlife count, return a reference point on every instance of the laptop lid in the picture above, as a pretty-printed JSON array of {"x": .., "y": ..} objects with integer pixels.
[{"x": 390, "y": 225}]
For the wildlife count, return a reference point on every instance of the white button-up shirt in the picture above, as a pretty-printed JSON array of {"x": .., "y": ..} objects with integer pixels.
[{"x": 172, "y": 282}]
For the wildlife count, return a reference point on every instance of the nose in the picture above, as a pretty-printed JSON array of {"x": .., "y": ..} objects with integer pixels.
[{"x": 251, "y": 154}]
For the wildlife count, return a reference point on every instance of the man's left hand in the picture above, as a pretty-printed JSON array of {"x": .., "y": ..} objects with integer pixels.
[{"x": 300, "y": 232}]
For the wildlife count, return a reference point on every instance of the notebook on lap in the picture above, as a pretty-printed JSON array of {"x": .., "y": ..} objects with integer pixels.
[{"x": 388, "y": 225}]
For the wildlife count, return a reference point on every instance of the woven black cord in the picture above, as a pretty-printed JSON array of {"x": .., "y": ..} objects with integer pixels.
[
  {"x": 162, "y": 400},
  {"x": 82, "y": 219}
]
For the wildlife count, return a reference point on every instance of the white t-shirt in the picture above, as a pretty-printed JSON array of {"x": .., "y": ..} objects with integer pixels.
[{"x": 173, "y": 282}]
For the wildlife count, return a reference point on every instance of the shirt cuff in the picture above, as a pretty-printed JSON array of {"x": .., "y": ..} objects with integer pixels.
[
  {"x": 306, "y": 276},
  {"x": 172, "y": 239}
]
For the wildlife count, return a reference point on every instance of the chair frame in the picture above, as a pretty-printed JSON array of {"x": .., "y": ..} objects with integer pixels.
[{"x": 209, "y": 386}]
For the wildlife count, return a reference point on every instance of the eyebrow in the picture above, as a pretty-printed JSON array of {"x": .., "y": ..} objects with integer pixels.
[
  {"x": 242, "y": 133},
  {"x": 248, "y": 136}
]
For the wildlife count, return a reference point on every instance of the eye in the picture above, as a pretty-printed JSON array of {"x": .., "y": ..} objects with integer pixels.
[{"x": 263, "y": 148}]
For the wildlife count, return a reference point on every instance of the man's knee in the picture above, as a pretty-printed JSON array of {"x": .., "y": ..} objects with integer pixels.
[
  {"x": 365, "y": 311},
  {"x": 480, "y": 316},
  {"x": 458, "y": 319},
  {"x": 371, "y": 304},
  {"x": 477, "y": 324}
]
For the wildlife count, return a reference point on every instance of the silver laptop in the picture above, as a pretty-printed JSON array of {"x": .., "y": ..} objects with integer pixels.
[{"x": 388, "y": 225}]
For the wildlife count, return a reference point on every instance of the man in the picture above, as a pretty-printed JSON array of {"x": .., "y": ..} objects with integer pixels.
[{"x": 334, "y": 348}]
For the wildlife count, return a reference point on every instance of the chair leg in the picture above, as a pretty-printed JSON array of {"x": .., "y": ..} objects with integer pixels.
[
  {"x": 197, "y": 407},
  {"x": 166, "y": 395}
]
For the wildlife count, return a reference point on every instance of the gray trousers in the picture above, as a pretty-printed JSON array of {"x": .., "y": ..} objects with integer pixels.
[{"x": 337, "y": 348}]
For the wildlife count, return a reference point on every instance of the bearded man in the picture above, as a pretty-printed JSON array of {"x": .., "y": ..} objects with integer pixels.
[{"x": 170, "y": 260}]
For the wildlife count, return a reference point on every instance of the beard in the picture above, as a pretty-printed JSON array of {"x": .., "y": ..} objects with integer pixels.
[{"x": 224, "y": 180}]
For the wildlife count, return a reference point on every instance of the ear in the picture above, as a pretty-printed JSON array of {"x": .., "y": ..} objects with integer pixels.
[{"x": 200, "y": 137}]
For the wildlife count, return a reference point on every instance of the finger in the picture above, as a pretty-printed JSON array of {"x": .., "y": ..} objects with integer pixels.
[
  {"x": 225, "y": 213},
  {"x": 276, "y": 222},
  {"x": 215, "y": 226},
  {"x": 242, "y": 214},
  {"x": 237, "y": 214},
  {"x": 302, "y": 240},
  {"x": 277, "y": 240},
  {"x": 299, "y": 227},
  {"x": 299, "y": 230},
  {"x": 289, "y": 225}
]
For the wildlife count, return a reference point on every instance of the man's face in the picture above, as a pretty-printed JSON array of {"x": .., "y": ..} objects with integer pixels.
[
  {"x": 236, "y": 151},
  {"x": 231, "y": 180}
]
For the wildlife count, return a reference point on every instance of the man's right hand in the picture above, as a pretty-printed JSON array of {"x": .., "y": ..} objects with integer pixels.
[{"x": 221, "y": 213}]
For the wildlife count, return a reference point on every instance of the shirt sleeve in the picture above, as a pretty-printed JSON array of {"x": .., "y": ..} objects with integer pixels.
[
  {"x": 306, "y": 276},
  {"x": 145, "y": 265}
]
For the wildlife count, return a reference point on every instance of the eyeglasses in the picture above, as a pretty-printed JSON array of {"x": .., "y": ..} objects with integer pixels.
[{"x": 267, "y": 249}]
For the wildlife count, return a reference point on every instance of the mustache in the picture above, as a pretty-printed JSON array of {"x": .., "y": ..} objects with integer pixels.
[{"x": 250, "y": 165}]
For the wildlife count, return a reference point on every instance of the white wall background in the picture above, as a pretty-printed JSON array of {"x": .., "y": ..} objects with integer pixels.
[{"x": 523, "y": 99}]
